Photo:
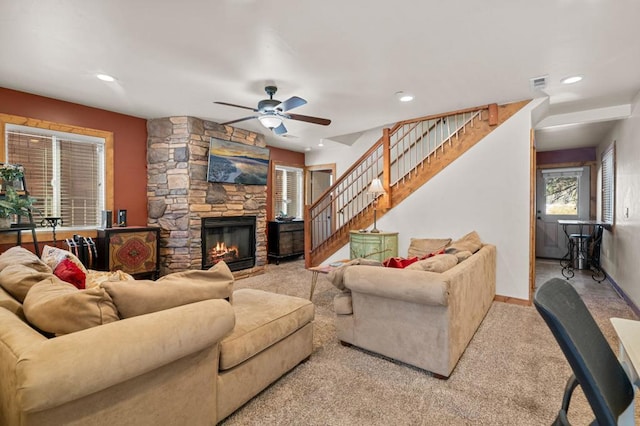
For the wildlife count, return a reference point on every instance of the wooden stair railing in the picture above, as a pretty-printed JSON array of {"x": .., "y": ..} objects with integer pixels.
[{"x": 404, "y": 158}]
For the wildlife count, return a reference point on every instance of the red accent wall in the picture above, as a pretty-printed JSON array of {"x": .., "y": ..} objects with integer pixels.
[
  {"x": 130, "y": 143},
  {"x": 280, "y": 157}
]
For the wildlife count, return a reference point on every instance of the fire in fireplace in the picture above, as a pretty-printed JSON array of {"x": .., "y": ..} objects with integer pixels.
[{"x": 231, "y": 239}]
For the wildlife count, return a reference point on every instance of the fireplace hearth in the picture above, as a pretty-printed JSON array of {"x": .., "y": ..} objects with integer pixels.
[{"x": 230, "y": 239}]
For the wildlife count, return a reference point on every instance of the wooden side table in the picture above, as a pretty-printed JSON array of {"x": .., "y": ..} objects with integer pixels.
[
  {"x": 322, "y": 269},
  {"x": 374, "y": 246}
]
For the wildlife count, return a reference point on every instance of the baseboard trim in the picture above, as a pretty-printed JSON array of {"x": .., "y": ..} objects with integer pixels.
[
  {"x": 511, "y": 300},
  {"x": 622, "y": 294}
]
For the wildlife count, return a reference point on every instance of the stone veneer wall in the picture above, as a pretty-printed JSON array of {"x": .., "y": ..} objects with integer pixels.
[{"x": 179, "y": 195}]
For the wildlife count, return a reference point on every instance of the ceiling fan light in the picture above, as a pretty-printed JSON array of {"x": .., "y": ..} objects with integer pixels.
[{"x": 270, "y": 121}]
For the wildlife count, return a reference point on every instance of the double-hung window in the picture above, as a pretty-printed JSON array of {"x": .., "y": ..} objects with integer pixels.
[
  {"x": 288, "y": 191},
  {"x": 64, "y": 172}
]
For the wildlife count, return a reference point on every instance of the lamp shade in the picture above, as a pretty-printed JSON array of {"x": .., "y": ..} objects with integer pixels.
[
  {"x": 376, "y": 187},
  {"x": 270, "y": 121}
]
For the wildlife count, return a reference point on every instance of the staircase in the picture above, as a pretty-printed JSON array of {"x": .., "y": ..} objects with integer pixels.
[{"x": 404, "y": 158}]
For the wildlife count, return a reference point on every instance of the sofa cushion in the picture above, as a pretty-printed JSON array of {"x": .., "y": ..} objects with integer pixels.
[
  {"x": 140, "y": 297},
  {"x": 21, "y": 256},
  {"x": 262, "y": 319},
  {"x": 470, "y": 242},
  {"x": 17, "y": 279},
  {"x": 52, "y": 256},
  {"x": 58, "y": 307},
  {"x": 424, "y": 246},
  {"x": 68, "y": 272},
  {"x": 11, "y": 304},
  {"x": 439, "y": 263}
]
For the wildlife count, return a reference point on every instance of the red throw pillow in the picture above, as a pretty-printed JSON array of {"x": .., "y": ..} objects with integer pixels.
[
  {"x": 399, "y": 262},
  {"x": 69, "y": 272}
]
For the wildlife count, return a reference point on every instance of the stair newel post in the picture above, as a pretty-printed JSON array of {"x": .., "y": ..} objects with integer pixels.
[
  {"x": 386, "y": 169},
  {"x": 307, "y": 236}
]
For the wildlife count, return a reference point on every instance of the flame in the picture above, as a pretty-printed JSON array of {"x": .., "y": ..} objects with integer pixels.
[{"x": 221, "y": 252}]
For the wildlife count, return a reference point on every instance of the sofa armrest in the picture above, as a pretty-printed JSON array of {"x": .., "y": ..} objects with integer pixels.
[
  {"x": 69, "y": 367},
  {"x": 424, "y": 287}
]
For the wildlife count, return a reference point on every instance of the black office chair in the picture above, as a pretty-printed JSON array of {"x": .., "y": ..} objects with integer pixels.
[{"x": 595, "y": 367}]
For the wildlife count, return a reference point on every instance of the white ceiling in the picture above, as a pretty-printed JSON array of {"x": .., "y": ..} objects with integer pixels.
[{"x": 346, "y": 58}]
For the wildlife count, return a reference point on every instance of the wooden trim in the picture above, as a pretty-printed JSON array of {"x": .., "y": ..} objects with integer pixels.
[
  {"x": 532, "y": 213},
  {"x": 511, "y": 300},
  {"x": 307, "y": 177}
]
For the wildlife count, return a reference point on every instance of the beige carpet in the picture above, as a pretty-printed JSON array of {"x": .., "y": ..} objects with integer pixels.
[{"x": 512, "y": 373}]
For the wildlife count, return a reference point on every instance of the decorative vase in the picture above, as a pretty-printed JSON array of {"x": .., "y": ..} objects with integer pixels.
[{"x": 5, "y": 222}]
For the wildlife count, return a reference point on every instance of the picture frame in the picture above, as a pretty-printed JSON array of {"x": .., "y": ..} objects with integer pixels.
[{"x": 233, "y": 162}]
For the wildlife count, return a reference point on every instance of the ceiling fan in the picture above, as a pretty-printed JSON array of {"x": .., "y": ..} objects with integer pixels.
[{"x": 271, "y": 112}]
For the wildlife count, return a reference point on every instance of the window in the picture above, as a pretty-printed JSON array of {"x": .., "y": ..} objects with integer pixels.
[
  {"x": 608, "y": 184},
  {"x": 288, "y": 192},
  {"x": 561, "y": 191},
  {"x": 65, "y": 172}
]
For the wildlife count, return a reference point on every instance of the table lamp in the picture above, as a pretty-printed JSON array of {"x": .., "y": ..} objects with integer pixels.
[{"x": 376, "y": 189}]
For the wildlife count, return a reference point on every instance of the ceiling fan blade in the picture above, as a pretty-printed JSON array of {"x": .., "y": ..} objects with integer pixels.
[
  {"x": 291, "y": 103},
  {"x": 237, "y": 106},
  {"x": 280, "y": 130},
  {"x": 314, "y": 120},
  {"x": 239, "y": 119}
]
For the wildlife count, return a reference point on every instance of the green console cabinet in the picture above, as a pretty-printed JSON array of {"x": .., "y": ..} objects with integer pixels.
[{"x": 374, "y": 246}]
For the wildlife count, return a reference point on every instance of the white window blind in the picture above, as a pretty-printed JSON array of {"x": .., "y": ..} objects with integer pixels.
[
  {"x": 288, "y": 191},
  {"x": 608, "y": 184},
  {"x": 64, "y": 172}
]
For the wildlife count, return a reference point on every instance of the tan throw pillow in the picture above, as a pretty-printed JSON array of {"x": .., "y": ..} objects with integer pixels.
[
  {"x": 439, "y": 263},
  {"x": 52, "y": 256},
  {"x": 470, "y": 242},
  {"x": 21, "y": 256},
  {"x": 463, "y": 255},
  {"x": 95, "y": 278},
  {"x": 424, "y": 246},
  {"x": 18, "y": 279},
  {"x": 58, "y": 307},
  {"x": 141, "y": 297}
]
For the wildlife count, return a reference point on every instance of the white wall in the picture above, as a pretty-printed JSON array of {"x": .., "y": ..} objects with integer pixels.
[
  {"x": 487, "y": 190},
  {"x": 621, "y": 247}
]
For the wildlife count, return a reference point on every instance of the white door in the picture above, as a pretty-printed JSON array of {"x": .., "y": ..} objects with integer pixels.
[{"x": 562, "y": 193}]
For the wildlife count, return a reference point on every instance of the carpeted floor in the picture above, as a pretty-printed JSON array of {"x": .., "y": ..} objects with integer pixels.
[{"x": 512, "y": 373}]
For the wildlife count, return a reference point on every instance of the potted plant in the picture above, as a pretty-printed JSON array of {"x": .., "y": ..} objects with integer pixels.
[{"x": 11, "y": 202}]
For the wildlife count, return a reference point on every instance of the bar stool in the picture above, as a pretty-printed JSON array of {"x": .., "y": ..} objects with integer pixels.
[{"x": 579, "y": 250}]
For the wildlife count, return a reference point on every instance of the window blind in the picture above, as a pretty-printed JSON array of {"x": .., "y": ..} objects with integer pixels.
[
  {"x": 64, "y": 174},
  {"x": 608, "y": 181},
  {"x": 288, "y": 191}
]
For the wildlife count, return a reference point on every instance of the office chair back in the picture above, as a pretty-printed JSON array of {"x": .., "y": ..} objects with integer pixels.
[{"x": 595, "y": 366}]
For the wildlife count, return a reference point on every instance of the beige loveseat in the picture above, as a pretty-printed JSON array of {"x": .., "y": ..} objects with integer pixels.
[
  {"x": 192, "y": 364},
  {"x": 422, "y": 318}
]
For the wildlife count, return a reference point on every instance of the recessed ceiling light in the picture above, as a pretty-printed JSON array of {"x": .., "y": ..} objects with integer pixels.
[
  {"x": 320, "y": 144},
  {"x": 404, "y": 97},
  {"x": 308, "y": 148},
  {"x": 105, "y": 77},
  {"x": 571, "y": 80}
]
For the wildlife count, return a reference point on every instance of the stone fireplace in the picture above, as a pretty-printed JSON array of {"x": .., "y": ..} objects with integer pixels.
[{"x": 180, "y": 198}]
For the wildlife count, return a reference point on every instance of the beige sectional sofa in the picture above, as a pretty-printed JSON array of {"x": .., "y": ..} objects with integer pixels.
[
  {"x": 420, "y": 317},
  {"x": 191, "y": 364}
]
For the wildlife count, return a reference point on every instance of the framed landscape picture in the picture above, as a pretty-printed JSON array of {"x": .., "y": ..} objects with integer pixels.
[{"x": 233, "y": 162}]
